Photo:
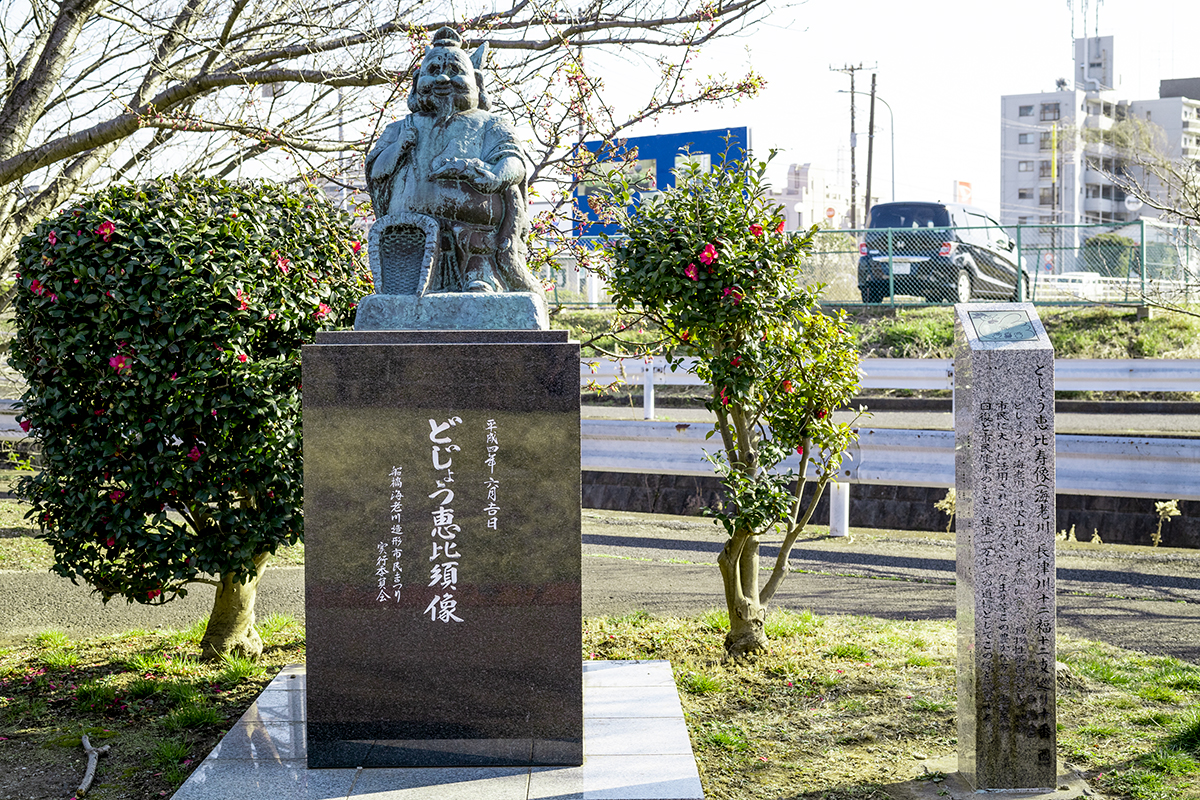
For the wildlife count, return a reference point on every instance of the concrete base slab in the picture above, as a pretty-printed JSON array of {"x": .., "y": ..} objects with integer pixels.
[
  {"x": 952, "y": 786},
  {"x": 635, "y": 746}
]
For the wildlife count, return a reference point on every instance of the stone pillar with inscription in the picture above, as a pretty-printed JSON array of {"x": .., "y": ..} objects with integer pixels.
[
  {"x": 1004, "y": 464},
  {"x": 442, "y": 536}
]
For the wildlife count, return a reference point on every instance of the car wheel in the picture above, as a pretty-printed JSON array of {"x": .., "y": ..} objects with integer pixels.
[{"x": 962, "y": 289}]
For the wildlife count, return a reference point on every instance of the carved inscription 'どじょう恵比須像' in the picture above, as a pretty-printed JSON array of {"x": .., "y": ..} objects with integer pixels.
[{"x": 443, "y": 575}]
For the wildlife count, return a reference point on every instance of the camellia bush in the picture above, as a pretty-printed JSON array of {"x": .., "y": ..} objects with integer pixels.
[
  {"x": 159, "y": 329},
  {"x": 708, "y": 261}
]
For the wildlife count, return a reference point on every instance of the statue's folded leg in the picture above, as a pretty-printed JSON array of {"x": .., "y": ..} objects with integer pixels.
[
  {"x": 481, "y": 274},
  {"x": 477, "y": 254}
]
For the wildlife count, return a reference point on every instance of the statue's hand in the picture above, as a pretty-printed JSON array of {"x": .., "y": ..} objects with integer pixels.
[{"x": 471, "y": 170}]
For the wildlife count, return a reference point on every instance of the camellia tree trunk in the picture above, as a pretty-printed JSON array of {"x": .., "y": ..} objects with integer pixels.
[
  {"x": 230, "y": 628},
  {"x": 739, "y": 559}
]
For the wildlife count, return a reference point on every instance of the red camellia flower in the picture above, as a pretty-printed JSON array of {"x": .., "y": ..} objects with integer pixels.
[
  {"x": 736, "y": 361},
  {"x": 153, "y": 593},
  {"x": 356, "y": 246},
  {"x": 691, "y": 271},
  {"x": 115, "y": 495},
  {"x": 822, "y": 414},
  {"x": 241, "y": 299},
  {"x": 110, "y": 542},
  {"x": 36, "y": 287},
  {"x": 106, "y": 230},
  {"x": 800, "y": 451},
  {"x": 282, "y": 263},
  {"x": 734, "y": 293},
  {"x": 120, "y": 363},
  {"x": 787, "y": 386},
  {"x": 724, "y": 397},
  {"x": 52, "y": 238},
  {"x": 756, "y": 229},
  {"x": 194, "y": 454},
  {"x": 322, "y": 311},
  {"x": 242, "y": 357},
  {"x": 25, "y": 425},
  {"x": 709, "y": 254},
  {"x": 779, "y": 227}
]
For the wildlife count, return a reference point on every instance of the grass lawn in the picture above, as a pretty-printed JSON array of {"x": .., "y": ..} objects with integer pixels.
[{"x": 839, "y": 707}]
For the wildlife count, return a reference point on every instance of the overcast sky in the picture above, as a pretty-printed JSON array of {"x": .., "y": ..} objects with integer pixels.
[{"x": 942, "y": 65}]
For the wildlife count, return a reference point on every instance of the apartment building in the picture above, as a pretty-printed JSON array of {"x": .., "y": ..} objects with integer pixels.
[{"x": 1055, "y": 164}]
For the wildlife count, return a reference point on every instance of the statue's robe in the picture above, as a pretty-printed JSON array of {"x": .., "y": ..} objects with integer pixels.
[{"x": 486, "y": 232}]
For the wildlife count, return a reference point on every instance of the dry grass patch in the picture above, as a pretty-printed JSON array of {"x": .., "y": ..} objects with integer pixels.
[
  {"x": 835, "y": 706},
  {"x": 146, "y": 694},
  {"x": 843, "y": 707}
]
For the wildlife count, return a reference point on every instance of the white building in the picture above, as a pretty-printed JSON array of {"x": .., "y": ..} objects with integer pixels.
[
  {"x": 809, "y": 197},
  {"x": 1052, "y": 170}
]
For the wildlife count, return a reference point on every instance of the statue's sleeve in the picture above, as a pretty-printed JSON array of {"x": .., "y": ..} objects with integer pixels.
[
  {"x": 500, "y": 141},
  {"x": 382, "y": 163}
]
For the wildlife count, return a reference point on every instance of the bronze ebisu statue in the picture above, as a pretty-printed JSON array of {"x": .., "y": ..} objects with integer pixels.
[{"x": 448, "y": 184}]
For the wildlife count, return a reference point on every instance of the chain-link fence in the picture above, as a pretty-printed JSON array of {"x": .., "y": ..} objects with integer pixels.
[
  {"x": 1126, "y": 262},
  {"x": 1129, "y": 262}
]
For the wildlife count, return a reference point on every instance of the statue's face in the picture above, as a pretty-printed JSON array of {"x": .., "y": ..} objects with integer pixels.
[{"x": 447, "y": 81}]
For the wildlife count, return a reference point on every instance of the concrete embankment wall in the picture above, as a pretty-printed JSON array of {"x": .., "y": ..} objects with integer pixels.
[{"x": 1120, "y": 520}]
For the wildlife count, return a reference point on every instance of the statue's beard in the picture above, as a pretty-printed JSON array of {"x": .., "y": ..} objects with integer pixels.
[{"x": 445, "y": 106}]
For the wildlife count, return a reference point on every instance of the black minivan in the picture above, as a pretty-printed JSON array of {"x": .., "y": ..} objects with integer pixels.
[{"x": 941, "y": 252}]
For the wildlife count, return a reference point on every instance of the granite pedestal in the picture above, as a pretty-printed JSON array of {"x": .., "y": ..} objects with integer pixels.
[
  {"x": 1004, "y": 468},
  {"x": 442, "y": 527}
]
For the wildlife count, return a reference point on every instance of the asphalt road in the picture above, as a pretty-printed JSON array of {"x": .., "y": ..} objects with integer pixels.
[{"x": 1138, "y": 598}]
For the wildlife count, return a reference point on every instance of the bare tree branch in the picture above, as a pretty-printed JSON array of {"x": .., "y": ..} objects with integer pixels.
[{"x": 100, "y": 90}]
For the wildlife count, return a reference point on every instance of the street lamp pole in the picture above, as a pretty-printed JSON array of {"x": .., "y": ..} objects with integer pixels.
[{"x": 892, "y": 126}]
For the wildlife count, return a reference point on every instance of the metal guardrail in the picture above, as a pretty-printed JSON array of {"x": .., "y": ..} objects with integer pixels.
[
  {"x": 1105, "y": 466},
  {"x": 1070, "y": 374}
]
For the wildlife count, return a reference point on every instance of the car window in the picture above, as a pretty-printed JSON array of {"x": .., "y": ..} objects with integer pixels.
[
  {"x": 976, "y": 231},
  {"x": 908, "y": 215}
]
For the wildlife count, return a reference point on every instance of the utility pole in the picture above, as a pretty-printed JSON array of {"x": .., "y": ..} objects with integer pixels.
[
  {"x": 850, "y": 70},
  {"x": 1054, "y": 194},
  {"x": 870, "y": 152}
]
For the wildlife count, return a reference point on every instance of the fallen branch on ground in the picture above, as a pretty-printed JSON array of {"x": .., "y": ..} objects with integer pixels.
[{"x": 93, "y": 754}]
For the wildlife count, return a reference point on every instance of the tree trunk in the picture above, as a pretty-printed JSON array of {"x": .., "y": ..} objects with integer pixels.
[
  {"x": 739, "y": 572},
  {"x": 231, "y": 624}
]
